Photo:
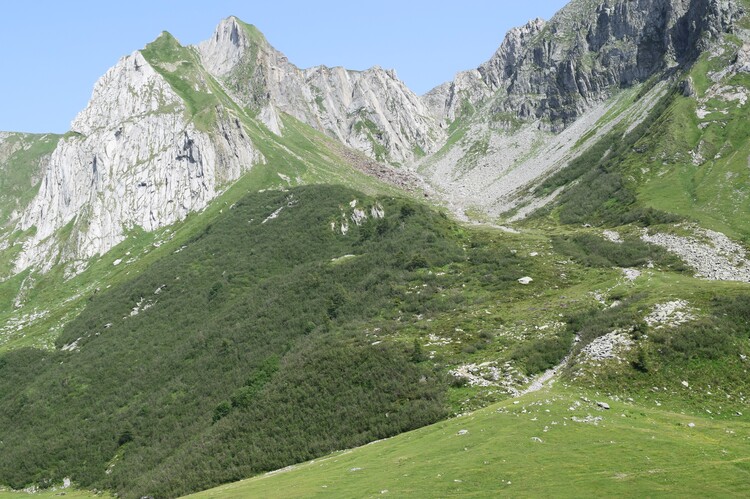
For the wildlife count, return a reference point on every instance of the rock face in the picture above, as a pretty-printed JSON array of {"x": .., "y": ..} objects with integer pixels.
[
  {"x": 133, "y": 159},
  {"x": 519, "y": 117},
  {"x": 475, "y": 86},
  {"x": 140, "y": 156},
  {"x": 372, "y": 111},
  {"x": 554, "y": 71}
]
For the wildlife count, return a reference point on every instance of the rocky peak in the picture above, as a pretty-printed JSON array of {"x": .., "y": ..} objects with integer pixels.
[
  {"x": 135, "y": 158},
  {"x": 230, "y": 43},
  {"x": 371, "y": 110},
  {"x": 126, "y": 91},
  {"x": 554, "y": 71},
  {"x": 500, "y": 67},
  {"x": 143, "y": 154}
]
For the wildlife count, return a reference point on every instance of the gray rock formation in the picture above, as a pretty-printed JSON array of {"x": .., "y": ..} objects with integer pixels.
[
  {"x": 142, "y": 155},
  {"x": 133, "y": 159},
  {"x": 519, "y": 117},
  {"x": 554, "y": 71},
  {"x": 372, "y": 111}
]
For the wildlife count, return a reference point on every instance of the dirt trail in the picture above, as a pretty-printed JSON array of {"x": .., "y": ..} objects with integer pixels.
[{"x": 548, "y": 375}]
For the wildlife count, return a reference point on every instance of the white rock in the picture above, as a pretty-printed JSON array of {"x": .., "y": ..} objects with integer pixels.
[
  {"x": 135, "y": 161},
  {"x": 670, "y": 314},
  {"x": 366, "y": 110},
  {"x": 525, "y": 280},
  {"x": 715, "y": 258},
  {"x": 607, "y": 346},
  {"x": 631, "y": 274},
  {"x": 612, "y": 236}
]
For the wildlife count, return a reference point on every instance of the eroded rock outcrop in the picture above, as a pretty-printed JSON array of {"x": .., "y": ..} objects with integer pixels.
[
  {"x": 133, "y": 158},
  {"x": 554, "y": 71},
  {"x": 372, "y": 110}
]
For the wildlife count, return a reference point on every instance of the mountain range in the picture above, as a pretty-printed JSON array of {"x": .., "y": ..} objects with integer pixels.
[
  {"x": 166, "y": 128},
  {"x": 220, "y": 225}
]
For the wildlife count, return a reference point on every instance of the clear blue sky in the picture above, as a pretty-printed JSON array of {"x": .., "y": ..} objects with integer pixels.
[{"x": 52, "y": 52}]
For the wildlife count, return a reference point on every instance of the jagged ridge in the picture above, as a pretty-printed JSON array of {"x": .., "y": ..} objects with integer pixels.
[
  {"x": 166, "y": 128},
  {"x": 371, "y": 110}
]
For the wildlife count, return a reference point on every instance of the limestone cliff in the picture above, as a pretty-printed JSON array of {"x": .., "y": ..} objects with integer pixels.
[
  {"x": 133, "y": 159},
  {"x": 372, "y": 111},
  {"x": 23, "y": 160},
  {"x": 165, "y": 132},
  {"x": 555, "y": 71},
  {"x": 522, "y": 114}
]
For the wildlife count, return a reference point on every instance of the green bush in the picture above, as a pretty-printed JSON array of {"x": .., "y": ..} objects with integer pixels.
[
  {"x": 246, "y": 361},
  {"x": 221, "y": 410},
  {"x": 593, "y": 251},
  {"x": 541, "y": 354}
]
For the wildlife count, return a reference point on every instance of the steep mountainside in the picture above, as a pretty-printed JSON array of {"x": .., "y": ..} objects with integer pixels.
[
  {"x": 371, "y": 110},
  {"x": 522, "y": 114},
  {"x": 258, "y": 333},
  {"x": 170, "y": 127},
  {"x": 136, "y": 157},
  {"x": 22, "y": 160},
  {"x": 231, "y": 265},
  {"x": 554, "y": 71}
]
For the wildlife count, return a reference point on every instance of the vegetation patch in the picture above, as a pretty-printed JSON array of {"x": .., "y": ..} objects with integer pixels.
[
  {"x": 593, "y": 251},
  {"x": 598, "y": 191},
  {"x": 180, "y": 67},
  {"x": 556, "y": 442},
  {"x": 184, "y": 354}
]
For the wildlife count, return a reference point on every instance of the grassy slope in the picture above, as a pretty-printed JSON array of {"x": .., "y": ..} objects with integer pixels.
[
  {"x": 20, "y": 168},
  {"x": 467, "y": 294},
  {"x": 712, "y": 190},
  {"x": 633, "y": 452},
  {"x": 477, "y": 305},
  {"x": 247, "y": 291},
  {"x": 643, "y": 176},
  {"x": 674, "y": 166}
]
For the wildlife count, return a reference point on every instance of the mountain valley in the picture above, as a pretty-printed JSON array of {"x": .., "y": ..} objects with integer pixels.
[{"x": 230, "y": 266}]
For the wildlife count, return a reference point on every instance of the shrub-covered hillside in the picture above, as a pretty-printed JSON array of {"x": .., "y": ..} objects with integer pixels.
[
  {"x": 244, "y": 351},
  {"x": 309, "y": 320}
]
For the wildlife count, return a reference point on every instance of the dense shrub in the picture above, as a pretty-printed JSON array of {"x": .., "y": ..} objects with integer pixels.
[
  {"x": 541, "y": 354},
  {"x": 249, "y": 357},
  {"x": 703, "y": 339},
  {"x": 593, "y": 251},
  {"x": 711, "y": 337}
]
